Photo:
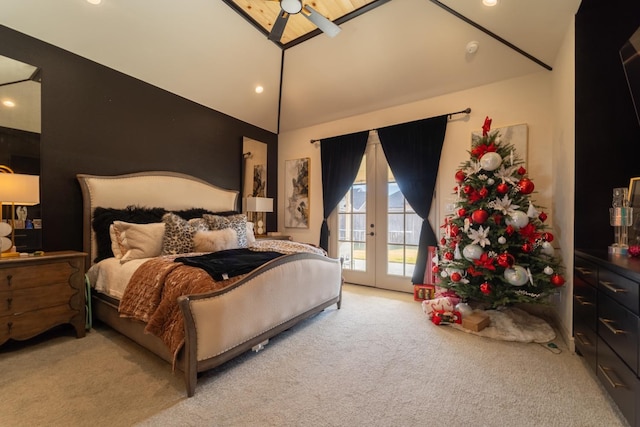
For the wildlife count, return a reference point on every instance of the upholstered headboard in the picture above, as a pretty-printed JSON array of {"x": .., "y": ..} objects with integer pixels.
[{"x": 168, "y": 190}]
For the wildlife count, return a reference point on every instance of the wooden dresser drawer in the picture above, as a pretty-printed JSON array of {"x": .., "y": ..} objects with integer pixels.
[
  {"x": 621, "y": 289},
  {"x": 586, "y": 270},
  {"x": 619, "y": 328},
  {"x": 584, "y": 303},
  {"x": 621, "y": 383},
  {"x": 31, "y": 276},
  {"x": 27, "y": 325},
  {"x": 23, "y": 300},
  {"x": 586, "y": 344}
]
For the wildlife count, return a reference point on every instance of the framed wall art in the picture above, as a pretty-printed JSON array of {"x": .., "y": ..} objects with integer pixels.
[
  {"x": 515, "y": 135},
  {"x": 296, "y": 184}
]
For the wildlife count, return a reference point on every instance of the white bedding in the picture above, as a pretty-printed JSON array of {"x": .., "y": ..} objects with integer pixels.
[{"x": 110, "y": 276}]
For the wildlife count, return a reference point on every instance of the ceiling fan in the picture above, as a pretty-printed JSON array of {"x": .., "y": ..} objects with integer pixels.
[{"x": 293, "y": 7}]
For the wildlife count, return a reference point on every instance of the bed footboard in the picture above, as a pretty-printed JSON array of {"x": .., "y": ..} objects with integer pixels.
[{"x": 223, "y": 324}]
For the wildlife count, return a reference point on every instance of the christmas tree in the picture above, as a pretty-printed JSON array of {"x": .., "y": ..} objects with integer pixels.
[{"x": 495, "y": 248}]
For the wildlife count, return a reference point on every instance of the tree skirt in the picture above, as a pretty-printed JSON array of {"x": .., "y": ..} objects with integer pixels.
[{"x": 514, "y": 324}]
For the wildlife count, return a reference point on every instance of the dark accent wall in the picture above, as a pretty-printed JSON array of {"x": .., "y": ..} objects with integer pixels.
[
  {"x": 607, "y": 130},
  {"x": 96, "y": 120}
]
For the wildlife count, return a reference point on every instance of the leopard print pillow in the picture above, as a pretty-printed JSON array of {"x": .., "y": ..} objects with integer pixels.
[
  {"x": 178, "y": 235},
  {"x": 238, "y": 222}
]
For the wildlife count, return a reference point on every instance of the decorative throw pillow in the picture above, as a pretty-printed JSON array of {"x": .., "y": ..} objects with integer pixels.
[
  {"x": 104, "y": 217},
  {"x": 134, "y": 241},
  {"x": 199, "y": 224},
  {"x": 215, "y": 240},
  {"x": 216, "y": 222},
  {"x": 251, "y": 235},
  {"x": 238, "y": 222},
  {"x": 178, "y": 235}
]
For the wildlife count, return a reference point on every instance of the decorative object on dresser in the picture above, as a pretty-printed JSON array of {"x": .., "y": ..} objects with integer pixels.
[
  {"x": 15, "y": 189},
  {"x": 40, "y": 292},
  {"x": 257, "y": 206},
  {"x": 606, "y": 318}
]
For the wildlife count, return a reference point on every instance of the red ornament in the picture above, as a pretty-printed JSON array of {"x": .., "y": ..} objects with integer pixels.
[
  {"x": 460, "y": 176},
  {"x": 479, "y": 216},
  {"x": 454, "y": 231},
  {"x": 634, "y": 250},
  {"x": 448, "y": 256},
  {"x": 526, "y": 186},
  {"x": 542, "y": 216},
  {"x": 527, "y": 247},
  {"x": 483, "y": 192},
  {"x": 485, "y": 288},
  {"x": 502, "y": 188},
  {"x": 467, "y": 189},
  {"x": 443, "y": 241},
  {"x": 505, "y": 260},
  {"x": 462, "y": 212},
  {"x": 557, "y": 280},
  {"x": 521, "y": 170},
  {"x": 509, "y": 230},
  {"x": 456, "y": 277},
  {"x": 486, "y": 126},
  {"x": 435, "y": 269},
  {"x": 497, "y": 218},
  {"x": 547, "y": 236}
]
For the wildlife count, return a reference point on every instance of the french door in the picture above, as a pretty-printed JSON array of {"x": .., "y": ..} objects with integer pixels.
[{"x": 374, "y": 230}]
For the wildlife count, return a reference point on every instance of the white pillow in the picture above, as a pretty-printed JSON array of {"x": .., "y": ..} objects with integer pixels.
[
  {"x": 215, "y": 240},
  {"x": 132, "y": 241},
  {"x": 251, "y": 235}
]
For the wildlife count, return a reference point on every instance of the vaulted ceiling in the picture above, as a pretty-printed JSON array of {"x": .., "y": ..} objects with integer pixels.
[{"x": 398, "y": 52}]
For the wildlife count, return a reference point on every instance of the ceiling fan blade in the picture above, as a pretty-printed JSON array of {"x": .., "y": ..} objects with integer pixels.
[
  {"x": 278, "y": 26},
  {"x": 326, "y": 26}
]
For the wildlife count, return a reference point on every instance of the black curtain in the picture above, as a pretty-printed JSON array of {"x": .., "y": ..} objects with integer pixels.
[
  {"x": 413, "y": 153},
  {"x": 341, "y": 157}
]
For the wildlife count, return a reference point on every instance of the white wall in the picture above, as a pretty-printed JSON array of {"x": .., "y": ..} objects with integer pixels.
[
  {"x": 521, "y": 100},
  {"x": 543, "y": 100},
  {"x": 563, "y": 187}
]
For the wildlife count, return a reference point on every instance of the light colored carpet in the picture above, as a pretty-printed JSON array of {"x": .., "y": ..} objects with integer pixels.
[{"x": 376, "y": 362}]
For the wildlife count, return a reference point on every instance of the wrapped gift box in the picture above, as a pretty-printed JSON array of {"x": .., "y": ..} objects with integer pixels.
[{"x": 476, "y": 321}]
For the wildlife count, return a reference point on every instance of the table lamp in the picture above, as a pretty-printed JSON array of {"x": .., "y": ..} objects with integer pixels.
[
  {"x": 15, "y": 189},
  {"x": 257, "y": 206}
]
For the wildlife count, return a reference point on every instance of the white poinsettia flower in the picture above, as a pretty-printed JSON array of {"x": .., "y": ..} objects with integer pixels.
[
  {"x": 504, "y": 205},
  {"x": 532, "y": 212},
  {"x": 482, "y": 177},
  {"x": 473, "y": 168},
  {"x": 507, "y": 174},
  {"x": 479, "y": 236}
]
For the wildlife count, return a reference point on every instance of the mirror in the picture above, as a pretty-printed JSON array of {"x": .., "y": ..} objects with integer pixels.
[
  {"x": 20, "y": 128},
  {"x": 254, "y": 155},
  {"x": 20, "y": 119},
  {"x": 255, "y": 168}
]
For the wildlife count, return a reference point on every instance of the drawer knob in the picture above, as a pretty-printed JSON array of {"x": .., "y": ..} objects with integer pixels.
[
  {"x": 612, "y": 287},
  {"x": 605, "y": 372},
  {"x": 584, "y": 271},
  {"x": 583, "y": 339},
  {"x": 581, "y": 300},
  {"x": 608, "y": 322},
  {"x": 9, "y": 277}
]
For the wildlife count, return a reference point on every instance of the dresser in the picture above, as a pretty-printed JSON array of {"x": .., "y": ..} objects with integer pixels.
[
  {"x": 40, "y": 292},
  {"x": 606, "y": 323}
]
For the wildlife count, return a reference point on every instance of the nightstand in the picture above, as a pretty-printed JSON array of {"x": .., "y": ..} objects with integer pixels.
[{"x": 40, "y": 292}]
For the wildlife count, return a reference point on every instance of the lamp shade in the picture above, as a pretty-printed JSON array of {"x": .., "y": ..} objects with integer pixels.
[
  {"x": 259, "y": 204},
  {"x": 19, "y": 189}
]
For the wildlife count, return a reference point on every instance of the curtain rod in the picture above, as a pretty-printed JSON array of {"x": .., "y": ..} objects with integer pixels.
[{"x": 465, "y": 111}]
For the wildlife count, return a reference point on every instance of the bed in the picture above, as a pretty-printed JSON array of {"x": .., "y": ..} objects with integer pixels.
[{"x": 216, "y": 325}]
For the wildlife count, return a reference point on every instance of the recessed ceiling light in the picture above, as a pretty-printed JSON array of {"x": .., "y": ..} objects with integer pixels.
[
  {"x": 8, "y": 103},
  {"x": 489, "y": 2},
  {"x": 259, "y": 89},
  {"x": 94, "y": 1}
]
